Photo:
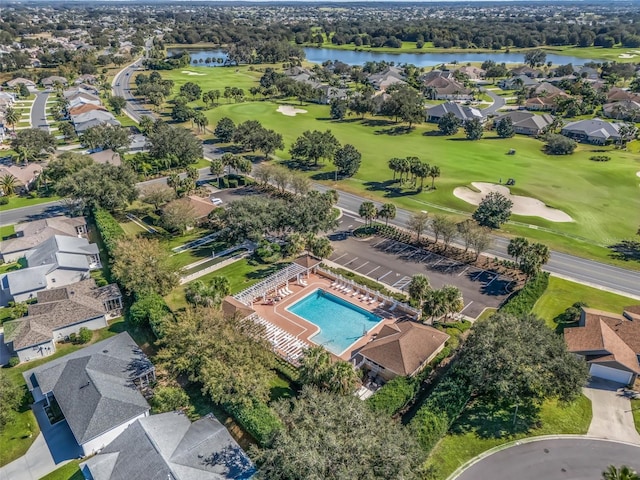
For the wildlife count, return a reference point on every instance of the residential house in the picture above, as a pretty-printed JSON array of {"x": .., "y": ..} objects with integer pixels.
[
  {"x": 389, "y": 76},
  {"x": 201, "y": 206},
  {"x": 616, "y": 94},
  {"x": 519, "y": 81},
  {"x": 528, "y": 71},
  {"x": 96, "y": 388},
  {"x": 169, "y": 446},
  {"x": 86, "y": 78},
  {"x": 327, "y": 93},
  {"x": 462, "y": 113},
  {"x": 84, "y": 108},
  {"x": 474, "y": 73},
  {"x": 58, "y": 313},
  {"x": 58, "y": 261},
  {"x": 107, "y": 156},
  {"x": 527, "y": 123},
  {"x": 444, "y": 88},
  {"x": 7, "y": 99},
  {"x": 79, "y": 99},
  {"x": 595, "y": 131},
  {"x": 29, "y": 235},
  {"x": 17, "y": 81},
  {"x": 86, "y": 120},
  {"x": 624, "y": 110},
  {"x": 25, "y": 174},
  {"x": 545, "y": 89},
  {"x": 543, "y": 103},
  {"x": 589, "y": 73},
  {"x": 402, "y": 349},
  {"x": 49, "y": 82},
  {"x": 609, "y": 343},
  {"x": 138, "y": 143}
]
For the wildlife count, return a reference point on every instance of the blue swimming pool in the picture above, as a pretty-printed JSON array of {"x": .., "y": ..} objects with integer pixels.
[{"x": 341, "y": 323}]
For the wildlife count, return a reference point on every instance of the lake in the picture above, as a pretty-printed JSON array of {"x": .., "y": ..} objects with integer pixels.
[{"x": 351, "y": 57}]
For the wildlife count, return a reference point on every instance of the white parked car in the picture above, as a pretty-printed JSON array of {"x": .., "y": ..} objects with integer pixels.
[{"x": 216, "y": 201}]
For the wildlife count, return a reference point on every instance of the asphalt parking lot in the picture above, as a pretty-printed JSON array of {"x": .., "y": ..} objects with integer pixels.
[{"x": 394, "y": 263}]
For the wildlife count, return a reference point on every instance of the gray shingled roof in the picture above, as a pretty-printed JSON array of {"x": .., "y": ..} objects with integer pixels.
[
  {"x": 169, "y": 446},
  {"x": 462, "y": 113},
  {"x": 67, "y": 252},
  {"x": 35, "y": 232},
  {"x": 593, "y": 128},
  {"x": 93, "y": 386}
]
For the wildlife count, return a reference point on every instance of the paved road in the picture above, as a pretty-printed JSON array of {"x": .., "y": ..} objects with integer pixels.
[
  {"x": 121, "y": 88},
  {"x": 560, "y": 459},
  {"x": 38, "y": 112},
  {"x": 498, "y": 103},
  {"x": 585, "y": 271}
]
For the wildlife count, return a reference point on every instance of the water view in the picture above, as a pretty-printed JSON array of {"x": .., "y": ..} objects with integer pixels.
[{"x": 351, "y": 57}]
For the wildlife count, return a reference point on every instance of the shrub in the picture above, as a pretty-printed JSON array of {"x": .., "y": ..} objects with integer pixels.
[
  {"x": 4, "y": 200},
  {"x": 600, "y": 158},
  {"x": 258, "y": 420},
  {"x": 430, "y": 427},
  {"x": 559, "y": 145},
  {"x": 169, "y": 399},
  {"x": 84, "y": 335},
  {"x": 13, "y": 361},
  {"x": 393, "y": 395},
  {"x": 233, "y": 182},
  {"x": 150, "y": 309},
  {"x": 522, "y": 301},
  {"x": 366, "y": 282}
]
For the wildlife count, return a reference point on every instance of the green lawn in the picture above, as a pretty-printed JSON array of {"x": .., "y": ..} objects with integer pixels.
[
  {"x": 592, "y": 193},
  {"x": 478, "y": 430},
  {"x": 635, "y": 408},
  {"x": 69, "y": 471},
  {"x": 561, "y": 294},
  {"x": 14, "y": 438},
  {"x": 241, "y": 274},
  {"x": 6, "y": 231},
  {"x": 19, "y": 202},
  {"x": 212, "y": 78},
  {"x": 611, "y": 54}
]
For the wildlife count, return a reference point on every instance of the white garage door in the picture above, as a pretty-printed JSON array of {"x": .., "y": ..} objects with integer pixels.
[{"x": 608, "y": 373}]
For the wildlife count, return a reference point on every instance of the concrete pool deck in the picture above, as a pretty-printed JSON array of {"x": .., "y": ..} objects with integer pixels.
[{"x": 278, "y": 315}]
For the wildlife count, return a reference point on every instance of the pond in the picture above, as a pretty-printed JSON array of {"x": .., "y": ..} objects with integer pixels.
[{"x": 351, "y": 57}]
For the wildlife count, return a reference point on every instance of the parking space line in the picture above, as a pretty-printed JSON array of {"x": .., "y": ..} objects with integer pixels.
[
  {"x": 350, "y": 261},
  {"x": 371, "y": 271},
  {"x": 437, "y": 262},
  {"x": 336, "y": 259},
  {"x": 478, "y": 276},
  {"x": 413, "y": 253},
  {"x": 462, "y": 272},
  {"x": 465, "y": 307},
  {"x": 379, "y": 243},
  {"x": 491, "y": 281},
  {"x": 380, "y": 278},
  {"x": 402, "y": 250},
  {"x": 400, "y": 284},
  {"x": 393, "y": 245},
  {"x": 365, "y": 263}
]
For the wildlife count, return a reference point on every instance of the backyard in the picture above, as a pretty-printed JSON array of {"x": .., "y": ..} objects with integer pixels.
[{"x": 599, "y": 196}]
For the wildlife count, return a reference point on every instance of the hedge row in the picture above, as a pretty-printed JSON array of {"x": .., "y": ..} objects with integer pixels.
[
  {"x": 394, "y": 395},
  {"x": 522, "y": 302},
  {"x": 394, "y": 233},
  {"x": 110, "y": 230},
  {"x": 443, "y": 406},
  {"x": 366, "y": 282},
  {"x": 258, "y": 420}
]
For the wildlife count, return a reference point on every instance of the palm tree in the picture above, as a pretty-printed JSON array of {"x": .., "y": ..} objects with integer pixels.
[
  {"x": 217, "y": 168},
  {"x": 394, "y": 165},
  {"x": 405, "y": 167},
  {"x": 434, "y": 305},
  {"x": 342, "y": 378},
  {"x": 244, "y": 166},
  {"x": 173, "y": 181},
  {"x": 201, "y": 121},
  {"x": 388, "y": 212},
  {"x": 418, "y": 288},
  {"x": 11, "y": 117},
  {"x": 23, "y": 154},
  {"x": 414, "y": 165},
  {"x": 230, "y": 161},
  {"x": 453, "y": 301},
  {"x": 622, "y": 473},
  {"x": 422, "y": 171},
  {"x": 517, "y": 247},
  {"x": 434, "y": 172},
  {"x": 314, "y": 365},
  {"x": 368, "y": 212},
  {"x": 8, "y": 184}
]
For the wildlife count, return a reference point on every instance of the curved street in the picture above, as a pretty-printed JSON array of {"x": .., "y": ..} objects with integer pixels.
[
  {"x": 498, "y": 102},
  {"x": 554, "y": 459}
]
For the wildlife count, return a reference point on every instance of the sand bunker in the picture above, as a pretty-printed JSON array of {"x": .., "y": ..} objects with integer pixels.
[
  {"x": 187, "y": 72},
  {"x": 626, "y": 55},
  {"x": 638, "y": 174},
  {"x": 290, "y": 111},
  {"x": 526, "y": 206}
]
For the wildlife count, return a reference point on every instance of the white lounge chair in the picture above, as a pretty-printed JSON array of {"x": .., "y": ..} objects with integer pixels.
[
  {"x": 286, "y": 289},
  {"x": 355, "y": 292},
  {"x": 373, "y": 299}
]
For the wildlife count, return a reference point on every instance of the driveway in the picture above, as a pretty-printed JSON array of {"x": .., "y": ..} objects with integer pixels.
[
  {"x": 612, "y": 417},
  {"x": 554, "y": 459},
  {"x": 4, "y": 351},
  {"x": 53, "y": 447}
]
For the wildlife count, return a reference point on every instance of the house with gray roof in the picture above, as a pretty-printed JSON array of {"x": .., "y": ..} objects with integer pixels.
[
  {"x": 29, "y": 235},
  {"x": 58, "y": 313},
  {"x": 595, "y": 131},
  {"x": 97, "y": 389},
  {"x": 527, "y": 123},
  {"x": 58, "y": 261},
  {"x": 93, "y": 118},
  {"x": 462, "y": 113},
  {"x": 169, "y": 446},
  {"x": 513, "y": 83},
  {"x": 624, "y": 110},
  {"x": 389, "y": 76},
  {"x": 51, "y": 81}
]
